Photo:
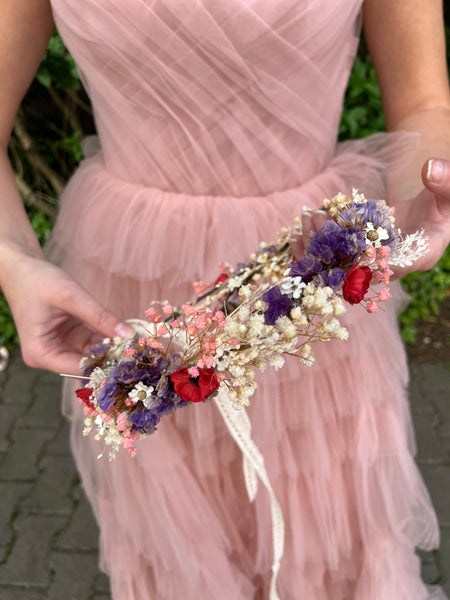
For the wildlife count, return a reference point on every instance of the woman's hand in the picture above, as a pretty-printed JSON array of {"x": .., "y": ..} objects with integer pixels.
[
  {"x": 430, "y": 211},
  {"x": 57, "y": 320}
]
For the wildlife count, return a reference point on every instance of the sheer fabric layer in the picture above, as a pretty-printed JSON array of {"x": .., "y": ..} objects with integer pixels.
[
  {"x": 217, "y": 124},
  {"x": 337, "y": 438}
]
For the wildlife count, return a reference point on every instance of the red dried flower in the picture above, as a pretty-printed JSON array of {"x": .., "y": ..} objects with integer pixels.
[
  {"x": 194, "y": 389},
  {"x": 356, "y": 284},
  {"x": 221, "y": 279},
  {"x": 84, "y": 394}
]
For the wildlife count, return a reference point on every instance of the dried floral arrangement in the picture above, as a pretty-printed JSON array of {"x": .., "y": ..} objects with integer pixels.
[{"x": 254, "y": 315}]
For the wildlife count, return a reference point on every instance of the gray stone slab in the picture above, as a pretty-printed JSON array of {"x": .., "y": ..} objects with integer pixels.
[
  {"x": 60, "y": 444},
  {"x": 430, "y": 571},
  {"x": 437, "y": 479},
  {"x": 46, "y": 408},
  {"x": 28, "y": 564},
  {"x": 74, "y": 576},
  {"x": 21, "y": 461},
  {"x": 19, "y": 386},
  {"x": 102, "y": 584},
  {"x": 20, "y": 594},
  {"x": 9, "y": 414},
  {"x": 444, "y": 558},
  {"x": 82, "y": 532},
  {"x": 52, "y": 490},
  {"x": 102, "y": 597},
  {"x": 48, "y": 378},
  {"x": 430, "y": 447},
  {"x": 11, "y": 494}
]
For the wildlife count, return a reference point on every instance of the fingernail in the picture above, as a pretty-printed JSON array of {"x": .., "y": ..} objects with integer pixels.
[
  {"x": 436, "y": 171},
  {"x": 123, "y": 330},
  {"x": 319, "y": 211}
]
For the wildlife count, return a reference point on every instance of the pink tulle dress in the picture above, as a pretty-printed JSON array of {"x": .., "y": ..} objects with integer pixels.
[{"x": 217, "y": 123}]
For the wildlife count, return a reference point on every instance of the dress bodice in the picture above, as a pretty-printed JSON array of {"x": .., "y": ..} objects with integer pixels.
[{"x": 214, "y": 97}]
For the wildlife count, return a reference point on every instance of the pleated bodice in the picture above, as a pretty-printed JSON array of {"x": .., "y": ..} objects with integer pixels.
[{"x": 212, "y": 97}]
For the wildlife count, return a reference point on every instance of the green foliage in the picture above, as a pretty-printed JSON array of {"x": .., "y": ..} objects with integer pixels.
[
  {"x": 57, "y": 68},
  {"x": 427, "y": 291},
  {"x": 8, "y": 333},
  {"x": 363, "y": 112}
]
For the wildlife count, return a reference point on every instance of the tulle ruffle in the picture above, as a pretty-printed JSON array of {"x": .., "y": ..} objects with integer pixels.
[{"x": 337, "y": 438}]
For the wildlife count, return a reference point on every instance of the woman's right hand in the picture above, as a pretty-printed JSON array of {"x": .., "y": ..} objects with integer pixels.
[{"x": 56, "y": 319}]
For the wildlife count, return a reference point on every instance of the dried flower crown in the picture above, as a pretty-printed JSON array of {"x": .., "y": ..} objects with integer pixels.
[{"x": 253, "y": 315}]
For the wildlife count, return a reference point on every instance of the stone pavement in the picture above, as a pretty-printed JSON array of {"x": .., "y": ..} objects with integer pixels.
[{"x": 48, "y": 537}]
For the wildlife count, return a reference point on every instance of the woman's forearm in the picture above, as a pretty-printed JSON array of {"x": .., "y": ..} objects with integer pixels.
[{"x": 16, "y": 234}]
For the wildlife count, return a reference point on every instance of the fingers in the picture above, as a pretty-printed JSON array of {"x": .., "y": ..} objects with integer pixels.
[
  {"x": 311, "y": 222},
  {"x": 436, "y": 178},
  {"x": 74, "y": 300}
]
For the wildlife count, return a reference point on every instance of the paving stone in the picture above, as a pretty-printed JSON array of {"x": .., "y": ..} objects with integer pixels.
[
  {"x": 19, "y": 386},
  {"x": 20, "y": 594},
  {"x": 28, "y": 564},
  {"x": 437, "y": 479},
  {"x": 11, "y": 493},
  {"x": 430, "y": 571},
  {"x": 82, "y": 532},
  {"x": 21, "y": 461},
  {"x": 444, "y": 557},
  {"x": 46, "y": 409},
  {"x": 48, "y": 378},
  {"x": 52, "y": 490},
  {"x": 61, "y": 443},
  {"x": 8, "y": 415},
  {"x": 102, "y": 584},
  {"x": 430, "y": 448},
  {"x": 74, "y": 576}
]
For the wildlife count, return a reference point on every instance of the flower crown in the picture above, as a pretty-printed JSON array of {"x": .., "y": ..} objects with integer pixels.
[{"x": 252, "y": 316}]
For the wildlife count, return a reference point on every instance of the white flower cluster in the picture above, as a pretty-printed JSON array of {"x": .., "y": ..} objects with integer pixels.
[
  {"x": 248, "y": 343},
  {"x": 408, "y": 249}
]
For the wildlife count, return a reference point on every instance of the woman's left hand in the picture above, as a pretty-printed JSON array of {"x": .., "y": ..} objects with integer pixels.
[{"x": 430, "y": 211}]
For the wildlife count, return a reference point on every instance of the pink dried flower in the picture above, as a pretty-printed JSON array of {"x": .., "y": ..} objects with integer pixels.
[
  {"x": 192, "y": 330},
  {"x": 372, "y": 308},
  {"x": 384, "y": 294},
  {"x": 162, "y": 330},
  {"x": 155, "y": 344},
  {"x": 219, "y": 317},
  {"x": 193, "y": 372},
  {"x": 188, "y": 310},
  {"x": 129, "y": 352},
  {"x": 175, "y": 324},
  {"x": 167, "y": 309},
  {"x": 122, "y": 422},
  {"x": 371, "y": 252},
  {"x": 384, "y": 251}
]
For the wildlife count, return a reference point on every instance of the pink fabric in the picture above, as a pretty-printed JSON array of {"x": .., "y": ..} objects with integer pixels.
[{"x": 217, "y": 123}]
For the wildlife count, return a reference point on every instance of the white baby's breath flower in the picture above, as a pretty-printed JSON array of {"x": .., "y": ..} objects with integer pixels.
[{"x": 276, "y": 361}]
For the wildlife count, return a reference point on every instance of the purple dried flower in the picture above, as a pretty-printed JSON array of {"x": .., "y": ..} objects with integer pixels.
[
  {"x": 374, "y": 211},
  {"x": 337, "y": 246},
  {"x": 279, "y": 305},
  {"x": 333, "y": 278},
  {"x": 306, "y": 268}
]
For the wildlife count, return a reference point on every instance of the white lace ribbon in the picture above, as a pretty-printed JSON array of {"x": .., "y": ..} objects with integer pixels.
[{"x": 239, "y": 427}]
